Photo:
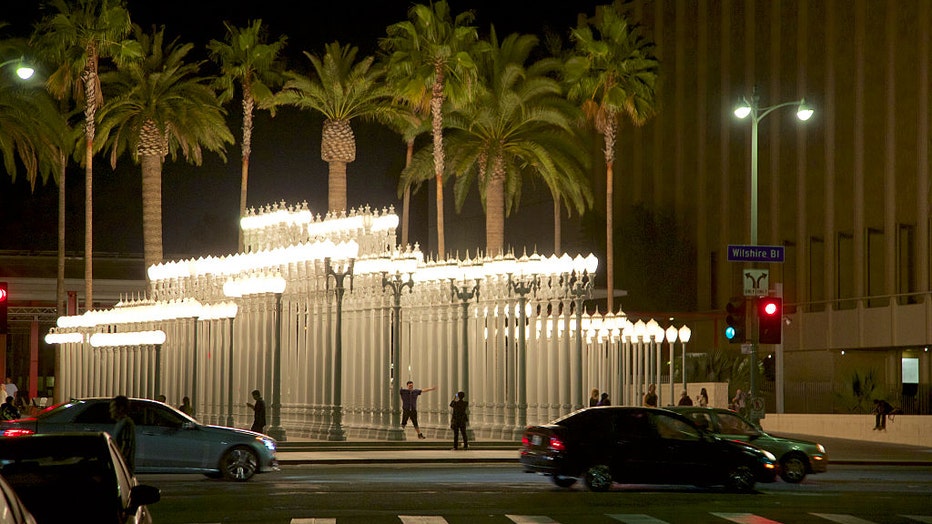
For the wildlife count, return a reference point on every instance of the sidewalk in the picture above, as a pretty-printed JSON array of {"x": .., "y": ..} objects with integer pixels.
[{"x": 305, "y": 451}]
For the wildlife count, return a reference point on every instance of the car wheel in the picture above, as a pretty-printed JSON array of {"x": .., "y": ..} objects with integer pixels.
[
  {"x": 563, "y": 482},
  {"x": 599, "y": 478},
  {"x": 740, "y": 479},
  {"x": 793, "y": 469},
  {"x": 240, "y": 464}
]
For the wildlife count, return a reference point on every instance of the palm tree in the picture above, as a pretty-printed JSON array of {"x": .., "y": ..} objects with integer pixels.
[
  {"x": 160, "y": 106},
  {"x": 343, "y": 89},
  {"x": 431, "y": 50},
  {"x": 613, "y": 75},
  {"x": 246, "y": 60},
  {"x": 84, "y": 32},
  {"x": 518, "y": 125},
  {"x": 32, "y": 133},
  {"x": 408, "y": 114}
]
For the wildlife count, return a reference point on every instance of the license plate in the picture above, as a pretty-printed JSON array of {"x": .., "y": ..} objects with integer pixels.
[{"x": 536, "y": 440}]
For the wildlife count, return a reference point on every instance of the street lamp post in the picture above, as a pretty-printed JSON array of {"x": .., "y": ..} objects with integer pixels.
[
  {"x": 757, "y": 113},
  {"x": 397, "y": 286},
  {"x": 522, "y": 287},
  {"x": 464, "y": 294},
  {"x": 336, "y": 431},
  {"x": 685, "y": 334},
  {"x": 671, "y": 334}
]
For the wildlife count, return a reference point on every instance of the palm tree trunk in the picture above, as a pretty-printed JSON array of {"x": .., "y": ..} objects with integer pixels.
[
  {"x": 406, "y": 200},
  {"x": 495, "y": 212},
  {"x": 557, "y": 225},
  {"x": 336, "y": 196},
  {"x": 436, "y": 108},
  {"x": 60, "y": 282},
  {"x": 609, "y": 236},
  {"x": 89, "y": 218},
  {"x": 151, "y": 210},
  {"x": 248, "y": 106}
]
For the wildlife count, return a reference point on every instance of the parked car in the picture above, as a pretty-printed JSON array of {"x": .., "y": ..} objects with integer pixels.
[
  {"x": 12, "y": 509},
  {"x": 167, "y": 440},
  {"x": 797, "y": 458},
  {"x": 75, "y": 477},
  {"x": 638, "y": 445}
]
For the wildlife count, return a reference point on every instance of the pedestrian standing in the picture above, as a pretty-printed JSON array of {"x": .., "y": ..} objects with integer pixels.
[
  {"x": 186, "y": 407},
  {"x": 594, "y": 398},
  {"x": 650, "y": 398},
  {"x": 684, "y": 399},
  {"x": 258, "y": 419},
  {"x": 10, "y": 388},
  {"x": 124, "y": 432},
  {"x": 459, "y": 419},
  {"x": 703, "y": 398},
  {"x": 604, "y": 400},
  {"x": 8, "y": 410},
  {"x": 409, "y": 405}
]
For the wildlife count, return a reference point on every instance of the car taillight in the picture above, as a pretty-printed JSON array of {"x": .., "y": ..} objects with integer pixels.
[
  {"x": 556, "y": 444},
  {"x": 17, "y": 432},
  {"x": 525, "y": 441}
]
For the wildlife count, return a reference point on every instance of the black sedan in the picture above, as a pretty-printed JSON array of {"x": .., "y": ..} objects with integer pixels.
[
  {"x": 640, "y": 446},
  {"x": 75, "y": 477}
]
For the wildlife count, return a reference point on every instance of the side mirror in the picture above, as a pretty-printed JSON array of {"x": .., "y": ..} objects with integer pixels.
[{"x": 143, "y": 495}]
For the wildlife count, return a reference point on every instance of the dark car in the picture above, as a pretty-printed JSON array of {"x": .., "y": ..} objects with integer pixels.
[
  {"x": 167, "y": 440},
  {"x": 12, "y": 509},
  {"x": 636, "y": 445},
  {"x": 797, "y": 458},
  {"x": 75, "y": 477}
]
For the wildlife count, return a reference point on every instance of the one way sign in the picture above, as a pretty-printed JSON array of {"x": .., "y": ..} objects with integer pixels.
[{"x": 756, "y": 282}]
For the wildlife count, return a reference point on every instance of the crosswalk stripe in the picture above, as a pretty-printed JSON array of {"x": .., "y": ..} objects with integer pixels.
[
  {"x": 313, "y": 521},
  {"x": 919, "y": 518},
  {"x": 634, "y": 518},
  {"x": 745, "y": 518},
  {"x": 422, "y": 519},
  {"x": 842, "y": 519},
  {"x": 531, "y": 519}
]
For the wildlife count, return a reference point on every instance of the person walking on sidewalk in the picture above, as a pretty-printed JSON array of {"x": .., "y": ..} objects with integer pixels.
[
  {"x": 409, "y": 405},
  {"x": 258, "y": 420},
  {"x": 459, "y": 419}
]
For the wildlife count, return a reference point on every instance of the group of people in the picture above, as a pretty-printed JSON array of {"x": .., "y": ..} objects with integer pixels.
[
  {"x": 185, "y": 406},
  {"x": 595, "y": 399},
  {"x": 459, "y": 414}
]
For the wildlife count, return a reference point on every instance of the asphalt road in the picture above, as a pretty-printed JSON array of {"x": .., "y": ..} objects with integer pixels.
[{"x": 503, "y": 493}]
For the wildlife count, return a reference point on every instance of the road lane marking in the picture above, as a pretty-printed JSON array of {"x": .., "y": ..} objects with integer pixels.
[
  {"x": 746, "y": 518},
  {"x": 422, "y": 519},
  {"x": 531, "y": 519},
  {"x": 842, "y": 519},
  {"x": 634, "y": 518},
  {"x": 313, "y": 521}
]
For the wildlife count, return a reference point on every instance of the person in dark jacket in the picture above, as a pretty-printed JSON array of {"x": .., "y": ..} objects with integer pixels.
[
  {"x": 684, "y": 399},
  {"x": 882, "y": 408},
  {"x": 604, "y": 400},
  {"x": 258, "y": 420},
  {"x": 459, "y": 419}
]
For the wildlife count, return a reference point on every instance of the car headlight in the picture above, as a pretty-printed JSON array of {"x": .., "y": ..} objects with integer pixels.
[
  {"x": 769, "y": 455},
  {"x": 821, "y": 448},
  {"x": 267, "y": 442}
]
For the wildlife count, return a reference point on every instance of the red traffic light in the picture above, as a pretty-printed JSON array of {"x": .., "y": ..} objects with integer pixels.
[{"x": 770, "y": 320}]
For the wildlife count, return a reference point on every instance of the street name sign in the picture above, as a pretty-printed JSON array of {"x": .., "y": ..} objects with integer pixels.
[{"x": 739, "y": 253}]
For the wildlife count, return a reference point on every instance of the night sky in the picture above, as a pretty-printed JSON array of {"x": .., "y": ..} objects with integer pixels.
[{"x": 200, "y": 205}]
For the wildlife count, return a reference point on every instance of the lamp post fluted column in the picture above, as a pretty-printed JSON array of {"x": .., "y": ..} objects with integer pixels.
[
  {"x": 521, "y": 288},
  {"x": 276, "y": 430},
  {"x": 464, "y": 295},
  {"x": 336, "y": 431},
  {"x": 397, "y": 285},
  {"x": 580, "y": 288}
]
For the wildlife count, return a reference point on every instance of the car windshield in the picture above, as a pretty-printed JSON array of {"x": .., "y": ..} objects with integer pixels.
[{"x": 732, "y": 424}]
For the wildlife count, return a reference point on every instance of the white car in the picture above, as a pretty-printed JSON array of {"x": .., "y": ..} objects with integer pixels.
[{"x": 167, "y": 440}]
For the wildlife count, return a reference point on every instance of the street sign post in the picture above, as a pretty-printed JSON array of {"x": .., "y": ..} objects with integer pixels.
[{"x": 740, "y": 253}]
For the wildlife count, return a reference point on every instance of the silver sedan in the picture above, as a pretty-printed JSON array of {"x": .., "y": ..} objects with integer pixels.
[{"x": 167, "y": 440}]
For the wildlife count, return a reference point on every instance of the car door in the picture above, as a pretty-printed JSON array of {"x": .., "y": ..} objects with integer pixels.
[
  {"x": 163, "y": 442},
  {"x": 635, "y": 454},
  {"x": 683, "y": 454}
]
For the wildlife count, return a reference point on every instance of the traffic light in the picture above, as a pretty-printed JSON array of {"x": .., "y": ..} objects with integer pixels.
[
  {"x": 4, "y": 295},
  {"x": 736, "y": 321},
  {"x": 769, "y": 317}
]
